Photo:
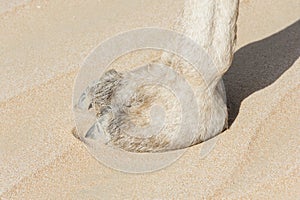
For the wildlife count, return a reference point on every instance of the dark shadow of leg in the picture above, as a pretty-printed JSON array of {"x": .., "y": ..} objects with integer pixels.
[{"x": 259, "y": 64}]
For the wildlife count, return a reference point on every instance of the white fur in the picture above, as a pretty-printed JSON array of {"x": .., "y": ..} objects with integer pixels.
[{"x": 210, "y": 23}]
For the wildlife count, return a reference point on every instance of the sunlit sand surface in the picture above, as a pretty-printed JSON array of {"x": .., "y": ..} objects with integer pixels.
[{"x": 43, "y": 43}]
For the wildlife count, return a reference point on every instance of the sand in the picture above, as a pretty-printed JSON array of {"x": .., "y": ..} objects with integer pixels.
[{"x": 43, "y": 43}]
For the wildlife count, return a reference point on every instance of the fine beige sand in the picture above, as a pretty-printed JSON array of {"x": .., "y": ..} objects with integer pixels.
[{"x": 43, "y": 43}]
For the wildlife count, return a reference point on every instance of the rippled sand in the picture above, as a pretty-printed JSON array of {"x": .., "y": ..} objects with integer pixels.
[{"x": 42, "y": 44}]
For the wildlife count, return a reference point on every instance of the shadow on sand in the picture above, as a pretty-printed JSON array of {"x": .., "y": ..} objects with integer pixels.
[{"x": 259, "y": 64}]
